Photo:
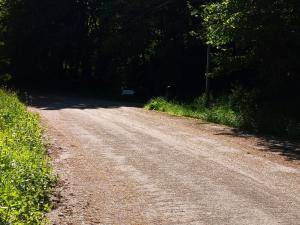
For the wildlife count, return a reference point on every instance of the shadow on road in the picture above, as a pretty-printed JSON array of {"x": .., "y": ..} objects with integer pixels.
[
  {"x": 289, "y": 149},
  {"x": 285, "y": 148},
  {"x": 52, "y": 102}
]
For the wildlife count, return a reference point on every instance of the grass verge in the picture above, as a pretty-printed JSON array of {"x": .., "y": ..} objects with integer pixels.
[
  {"x": 219, "y": 113},
  {"x": 25, "y": 176},
  {"x": 241, "y": 112}
]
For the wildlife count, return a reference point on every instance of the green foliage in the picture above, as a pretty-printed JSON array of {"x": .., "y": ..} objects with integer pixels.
[
  {"x": 240, "y": 110},
  {"x": 25, "y": 176},
  {"x": 259, "y": 35},
  {"x": 219, "y": 112},
  {"x": 5, "y": 78},
  {"x": 245, "y": 104},
  {"x": 111, "y": 43}
]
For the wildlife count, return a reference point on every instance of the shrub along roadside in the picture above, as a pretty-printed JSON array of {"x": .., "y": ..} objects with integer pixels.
[
  {"x": 220, "y": 113},
  {"x": 239, "y": 110},
  {"x": 25, "y": 176}
]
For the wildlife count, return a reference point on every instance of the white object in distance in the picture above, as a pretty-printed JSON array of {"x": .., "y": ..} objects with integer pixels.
[{"x": 127, "y": 92}]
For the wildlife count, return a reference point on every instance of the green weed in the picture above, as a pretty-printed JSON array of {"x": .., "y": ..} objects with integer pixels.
[
  {"x": 25, "y": 176},
  {"x": 218, "y": 113},
  {"x": 239, "y": 110}
]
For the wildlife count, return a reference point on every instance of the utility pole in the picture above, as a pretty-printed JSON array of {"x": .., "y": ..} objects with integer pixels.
[{"x": 207, "y": 81}]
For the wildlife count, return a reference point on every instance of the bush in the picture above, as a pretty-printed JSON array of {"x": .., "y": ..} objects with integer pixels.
[
  {"x": 218, "y": 112},
  {"x": 241, "y": 109},
  {"x": 25, "y": 176},
  {"x": 245, "y": 104}
]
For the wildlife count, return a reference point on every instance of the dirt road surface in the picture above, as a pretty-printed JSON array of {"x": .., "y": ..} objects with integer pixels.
[{"x": 120, "y": 164}]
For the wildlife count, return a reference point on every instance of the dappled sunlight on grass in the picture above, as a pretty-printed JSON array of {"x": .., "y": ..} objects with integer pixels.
[{"x": 25, "y": 176}]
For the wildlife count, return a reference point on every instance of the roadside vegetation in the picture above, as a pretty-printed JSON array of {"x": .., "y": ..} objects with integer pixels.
[
  {"x": 218, "y": 113},
  {"x": 240, "y": 110},
  {"x": 25, "y": 176}
]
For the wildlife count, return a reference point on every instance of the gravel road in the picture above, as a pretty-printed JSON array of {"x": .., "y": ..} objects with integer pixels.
[{"x": 120, "y": 164}]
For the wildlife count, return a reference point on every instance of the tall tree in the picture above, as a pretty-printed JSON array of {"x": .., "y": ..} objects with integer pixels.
[{"x": 259, "y": 36}]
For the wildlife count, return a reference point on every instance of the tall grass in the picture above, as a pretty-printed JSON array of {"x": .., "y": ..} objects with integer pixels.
[
  {"x": 240, "y": 110},
  {"x": 25, "y": 177},
  {"x": 219, "y": 113}
]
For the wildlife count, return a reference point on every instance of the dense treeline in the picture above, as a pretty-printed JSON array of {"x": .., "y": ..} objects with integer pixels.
[
  {"x": 257, "y": 39},
  {"x": 145, "y": 45},
  {"x": 148, "y": 45}
]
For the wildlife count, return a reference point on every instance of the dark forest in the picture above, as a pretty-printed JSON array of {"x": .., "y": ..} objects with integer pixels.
[{"x": 159, "y": 46}]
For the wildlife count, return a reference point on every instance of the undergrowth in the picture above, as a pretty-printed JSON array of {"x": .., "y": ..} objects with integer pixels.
[
  {"x": 239, "y": 110},
  {"x": 219, "y": 113},
  {"x": 25, "y": 176}
]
